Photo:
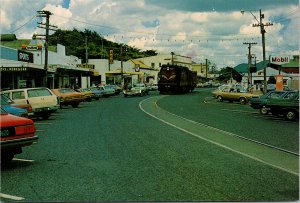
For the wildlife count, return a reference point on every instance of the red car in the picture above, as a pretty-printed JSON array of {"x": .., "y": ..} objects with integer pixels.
[{"x": 16, "y": 132}]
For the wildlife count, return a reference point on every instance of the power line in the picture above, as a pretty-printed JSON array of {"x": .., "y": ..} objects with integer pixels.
[{"x": 12, "y": 31}]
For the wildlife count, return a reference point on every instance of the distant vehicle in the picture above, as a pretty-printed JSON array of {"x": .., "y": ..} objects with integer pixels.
[
  {"x": 153, "y": 87},
  {"x": 107, "y": 90},
  {"x": 117, "y": 89},
  {"x": 230, "y": 94},
  {"x": 42, "y": 100},
  {"x": 176, "y": 79},
  {"x": 97, "y": 92},
  {"x": 68, "y": 96},
  {"x": 8, "y": 105},
  {"x": 258, "y": 103},
  {"x": 88, "y": 94},
  {"x": 136, "y": 89},
  {"x": 16, "y": 132},
  {"x": 287, "y": 107}
]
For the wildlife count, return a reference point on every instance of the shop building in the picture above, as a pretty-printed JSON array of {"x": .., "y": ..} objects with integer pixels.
[{"x": 25, "y": 68}]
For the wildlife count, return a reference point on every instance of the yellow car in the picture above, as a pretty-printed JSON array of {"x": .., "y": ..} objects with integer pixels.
[
  {"x": 230, "y": 94},
  {"x": 87, "y": 93}
]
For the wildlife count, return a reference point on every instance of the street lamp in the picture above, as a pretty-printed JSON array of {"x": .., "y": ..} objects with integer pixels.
[{"x": 262, "y": 31}]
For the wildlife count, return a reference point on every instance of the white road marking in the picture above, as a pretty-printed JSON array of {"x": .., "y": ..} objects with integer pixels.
[
  {"x": 6, "y": 196},
  {"x": 25, "y": 160},
  {"x": 210, "y": 141}
]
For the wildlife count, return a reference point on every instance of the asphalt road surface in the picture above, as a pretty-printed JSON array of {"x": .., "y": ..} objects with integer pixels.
[{"x": 157, "y": 148}]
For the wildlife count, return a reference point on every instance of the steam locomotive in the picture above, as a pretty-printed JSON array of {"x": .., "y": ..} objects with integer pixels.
[{"x": 176, "y": 79}]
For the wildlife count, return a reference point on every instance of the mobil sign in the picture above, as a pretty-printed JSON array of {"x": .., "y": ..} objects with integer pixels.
[{"x": 279, "y": 59}]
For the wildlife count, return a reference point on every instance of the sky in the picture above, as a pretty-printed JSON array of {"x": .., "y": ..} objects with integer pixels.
[{"x": 201, "y": 29}]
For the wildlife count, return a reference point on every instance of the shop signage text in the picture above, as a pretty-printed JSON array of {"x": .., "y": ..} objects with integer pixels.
[
  {"x": 13, "y": 69},
  {"x": 280, "y": 60},
  {"x": 25, "y": 56}
]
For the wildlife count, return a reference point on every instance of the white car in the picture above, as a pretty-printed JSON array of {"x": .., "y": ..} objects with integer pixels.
[
  {"x": 42, "y": 100},
  {"x": 137, "y": 89}
]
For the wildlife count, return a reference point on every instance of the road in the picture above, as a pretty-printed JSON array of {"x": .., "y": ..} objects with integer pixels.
[{"x": 140, "y": 149}]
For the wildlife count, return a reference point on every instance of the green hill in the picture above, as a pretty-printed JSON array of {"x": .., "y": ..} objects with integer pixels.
[{"x": 74, "y": 41}]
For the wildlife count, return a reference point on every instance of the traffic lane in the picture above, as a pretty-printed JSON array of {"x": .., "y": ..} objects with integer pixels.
[
  {"x": 135, "y": 158},
  {"x": 233, "y": 117}
]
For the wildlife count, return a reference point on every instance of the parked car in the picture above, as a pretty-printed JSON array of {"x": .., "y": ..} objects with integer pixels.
[
  {"x": 287, "y": 107},
  {"x": 230, "y": 94},
  {"x": 68, "y": 96},
  {"x": 42, "y": 100},
  {"x": 97, "y": 92},
  {"x": 153, "y": 87},
  {"x": 8, "y": 105},
  {"x": 117, "y": 89},
  {"x": 107, "y": 91},
  {"x": 16, "y": 132},
  {"x": 137, "y": 89},
  {"x": 87, "y": 93},
  {"x": 258, "y": 103}
]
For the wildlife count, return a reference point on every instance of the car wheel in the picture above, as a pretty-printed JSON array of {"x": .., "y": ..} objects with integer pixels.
[
  {"x": 263, "y": 110},
  {"x": 6, "y": 158},
  {"x": 75, "y": 105},
  {"x": 243, "y": 100},
  {"x": 290, "y": 115},
  {"x": 46, "y": 116},
  {"x": 220, "y": 98}
]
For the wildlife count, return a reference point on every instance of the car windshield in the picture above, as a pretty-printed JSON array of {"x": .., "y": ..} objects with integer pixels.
[
  {"x": 5, "y": 100},
  {"x": 38, "y": 93},
  {"x": 3, "y": 111},
  {"x": 66, "y": 90}
]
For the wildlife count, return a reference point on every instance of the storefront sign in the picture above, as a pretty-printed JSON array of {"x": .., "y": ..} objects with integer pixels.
[
  {"x": 280, "y": 59},
  {"x": 25, "y": 56},
  {"x": 13, "y": 69},
  {"x": 137, "y": 68},
  {"x": 85, "y": 65}
]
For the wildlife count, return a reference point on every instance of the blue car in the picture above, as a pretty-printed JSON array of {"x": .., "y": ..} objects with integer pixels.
[
  {"x": 6, "y": 105},
  {"x": 97, "y": 92}
]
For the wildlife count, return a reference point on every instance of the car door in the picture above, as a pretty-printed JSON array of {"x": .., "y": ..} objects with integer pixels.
[
  {"x": 19, "y": 97},
  {"x": 41, "y": 97}
]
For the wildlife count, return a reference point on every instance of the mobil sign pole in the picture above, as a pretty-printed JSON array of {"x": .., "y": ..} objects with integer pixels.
[{"x": 279, "y": 60}]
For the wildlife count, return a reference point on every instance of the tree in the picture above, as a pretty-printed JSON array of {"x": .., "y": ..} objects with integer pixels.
[{"x": 226, "y": 73}]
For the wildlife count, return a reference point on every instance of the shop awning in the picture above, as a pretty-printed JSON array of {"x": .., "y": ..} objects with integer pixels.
[{"x": 118, "y": 72}]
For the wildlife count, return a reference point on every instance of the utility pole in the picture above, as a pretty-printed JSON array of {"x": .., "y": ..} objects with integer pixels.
[
  {"x": 47, "y": 27},
  {"x": 249, "y": 60},
  {"x": 172, "y": 60},
  {"x": 206, "y": 69},
  {"x": 86, "y": 51},
  {"x": 263, "y": 31}
]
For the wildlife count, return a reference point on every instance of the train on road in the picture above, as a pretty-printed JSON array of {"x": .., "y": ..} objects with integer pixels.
[{"x": 176, "y": 79}]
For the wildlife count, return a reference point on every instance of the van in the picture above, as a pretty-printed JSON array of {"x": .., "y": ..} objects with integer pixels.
[{"x": 42, "y": 100}]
